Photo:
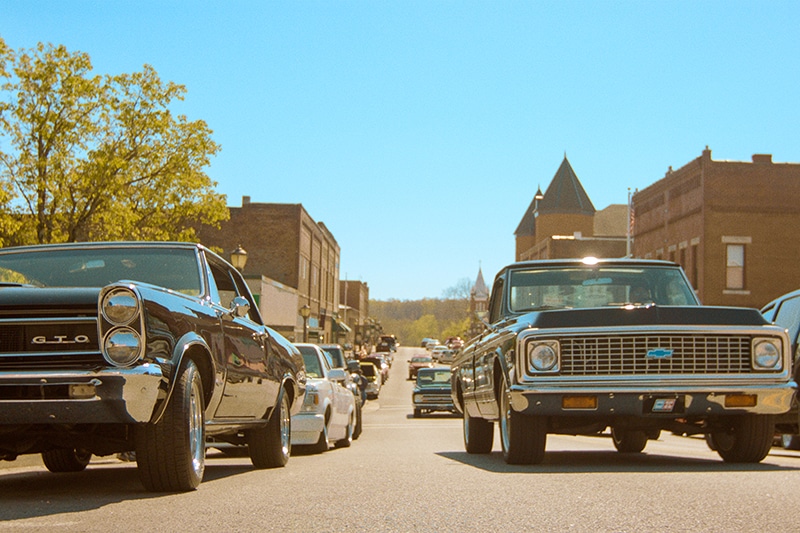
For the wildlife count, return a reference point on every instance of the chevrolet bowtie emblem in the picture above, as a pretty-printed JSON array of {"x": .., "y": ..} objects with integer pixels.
[{"x": 659, "y": 353}]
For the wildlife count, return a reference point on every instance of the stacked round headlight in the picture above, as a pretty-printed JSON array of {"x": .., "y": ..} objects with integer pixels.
[{"x": 122, "y": 344}]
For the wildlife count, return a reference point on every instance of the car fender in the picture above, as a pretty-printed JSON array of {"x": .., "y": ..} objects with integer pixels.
[{"x": 192, "y": 343}]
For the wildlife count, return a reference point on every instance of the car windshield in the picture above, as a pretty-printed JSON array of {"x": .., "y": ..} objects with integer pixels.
[
  {"x": 583, "y": 287},
  {"x": 335, "y": 356},
  {"x": 421, "y": 360},
  {"x": 436, "y": 378},
  {"x": 313, "y": 368},
  {"x": 368, "y": 370},
  {"x": 173, "y": 268}
]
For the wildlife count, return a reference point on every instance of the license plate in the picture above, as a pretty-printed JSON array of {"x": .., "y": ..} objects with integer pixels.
[{"x": 664, "y": 405}]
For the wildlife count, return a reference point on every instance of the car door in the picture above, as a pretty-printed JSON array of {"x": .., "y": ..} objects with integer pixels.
[{"x": 245, "y": 348}]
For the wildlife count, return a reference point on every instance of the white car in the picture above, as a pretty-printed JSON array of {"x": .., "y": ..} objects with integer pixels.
[
  {"x": 328, "y": 414},
  {"x": 438, "y": 351}
]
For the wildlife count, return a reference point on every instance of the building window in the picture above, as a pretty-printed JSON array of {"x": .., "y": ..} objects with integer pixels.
[{"x": 735, "y": 267}]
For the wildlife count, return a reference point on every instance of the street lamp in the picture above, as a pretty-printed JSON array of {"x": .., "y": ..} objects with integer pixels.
[
  {"x": 305, "y": 312},
  {"x": 239, "y": 258}
]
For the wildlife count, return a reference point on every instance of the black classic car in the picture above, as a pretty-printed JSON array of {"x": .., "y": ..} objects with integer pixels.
[
  {"x": 577, "y": 346},
  {"x": 150, "y": 348},
  {"x": 785, "y": 312}
]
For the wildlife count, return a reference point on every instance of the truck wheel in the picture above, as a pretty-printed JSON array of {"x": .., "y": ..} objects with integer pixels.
[
  {"x": 628, "y": 440},
  {"x": 171, "y": 454},
  {"x": 63, "y": 460},
  {"x": 522, "y": 437},
  {"x": 790, "y": 442},
  {"x": 357, "y": 429},
  {"x": 478, "y": 434},
  {"x": 271, "y": 445},
  {"x": 748, "y": 439}
]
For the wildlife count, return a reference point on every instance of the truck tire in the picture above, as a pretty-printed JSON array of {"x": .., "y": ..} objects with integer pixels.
[
  {"x": 628, "y": 440},
  {"x": 523, "y": 437},
  {"x": 64, "y": 460},
  {"x": 747, "y": 440},
  {"x": 478, "y": 434}
]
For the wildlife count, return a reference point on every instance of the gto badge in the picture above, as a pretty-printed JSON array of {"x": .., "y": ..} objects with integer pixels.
[
  {"x": 659, "y": 353},
  {"x": 60, "y": 339}
]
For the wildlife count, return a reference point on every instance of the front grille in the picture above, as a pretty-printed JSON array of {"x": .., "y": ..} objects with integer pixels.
[
  {"x": 628, "y": 355},
  {"x": 52, "y": 344},
  {"x": 434, "y": 398}
]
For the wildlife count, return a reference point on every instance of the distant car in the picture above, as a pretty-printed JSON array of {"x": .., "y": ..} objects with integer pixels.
[
  {"x": 446, "y": 356},
  {"x": 454, "y": 343},
  {"x": 437, "y": 351},
  {"x": 431, "y": 343},
  {"x": 381, "y": 362},
  {"x": 386, "y": 343},
  {"x": 784, "y": 311},
  {"x": 425, "y": 342},
  {"x": 432, "y": 391},
  {"x": 145, "y": 347},
  {"x": 374, "y": 380},
  {"x": 417, "y": 362},
  {"x": 328, "y": 413}
]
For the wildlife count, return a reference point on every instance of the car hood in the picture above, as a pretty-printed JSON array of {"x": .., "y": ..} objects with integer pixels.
[{"x": 21, "y": 299}]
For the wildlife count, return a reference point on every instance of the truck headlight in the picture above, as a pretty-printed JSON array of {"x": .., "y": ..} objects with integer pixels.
[
  {"x": 543, "y": 356},
  {"x": 767, "y": 354},
  {"x": 122, "y": 346}
]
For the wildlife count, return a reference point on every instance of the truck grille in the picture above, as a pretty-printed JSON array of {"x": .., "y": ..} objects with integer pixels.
[
  {"x": 655, "y": 355},
  {"x": 434, "y": 398},
  {"x": 52, "y": 344}
]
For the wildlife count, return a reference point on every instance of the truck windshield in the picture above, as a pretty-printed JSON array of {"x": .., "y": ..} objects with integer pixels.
[{"x": 584, "y": 287}]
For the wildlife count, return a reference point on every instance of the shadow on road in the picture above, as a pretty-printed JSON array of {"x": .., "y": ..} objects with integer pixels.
[
  {"x": 38, "y": 493},
  {"x": 587, "y": 462}
]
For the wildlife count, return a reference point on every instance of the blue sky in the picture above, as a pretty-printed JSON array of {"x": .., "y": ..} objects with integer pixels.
[{"x": 418, "y": 131}]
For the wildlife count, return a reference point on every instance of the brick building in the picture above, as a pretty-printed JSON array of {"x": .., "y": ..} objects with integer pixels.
[
  {"x": 730, "y": 224},
  {"x": 563, "y": 223},
  {"x": 354, "y": 310},
  {"x": 292, "y": 261}
]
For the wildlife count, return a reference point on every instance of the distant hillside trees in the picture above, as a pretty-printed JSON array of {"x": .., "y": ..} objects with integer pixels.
[
  {"x": 89, "y": 157},
  {"x": 413, "y": 320}
]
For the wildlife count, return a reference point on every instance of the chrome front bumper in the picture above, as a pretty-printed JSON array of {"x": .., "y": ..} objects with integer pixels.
[
  {"x": 667, "y": 401},
  {"x": 111, "y": 395}
]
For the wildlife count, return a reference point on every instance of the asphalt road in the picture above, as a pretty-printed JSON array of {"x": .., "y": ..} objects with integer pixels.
[{"x": 407, "y": 474}]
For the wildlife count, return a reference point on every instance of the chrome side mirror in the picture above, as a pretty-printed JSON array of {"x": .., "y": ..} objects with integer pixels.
[{"x": 239, "y": 307}]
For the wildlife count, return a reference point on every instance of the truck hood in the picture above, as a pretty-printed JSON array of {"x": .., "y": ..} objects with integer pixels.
[{"x": 643, "y": 316}]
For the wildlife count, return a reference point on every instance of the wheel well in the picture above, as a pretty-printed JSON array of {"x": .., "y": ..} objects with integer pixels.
[
  {"x": 497, "y": 373},
  {"x": 201, "y": 358}
]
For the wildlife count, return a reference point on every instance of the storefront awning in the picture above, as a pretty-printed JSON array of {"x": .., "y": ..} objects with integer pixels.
[{"x": 339, "y": 325}]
